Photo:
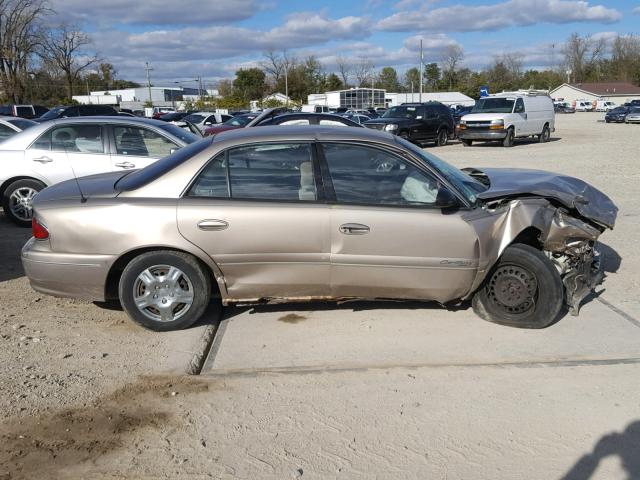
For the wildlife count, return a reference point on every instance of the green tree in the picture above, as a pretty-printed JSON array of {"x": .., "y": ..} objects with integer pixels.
[
  {"x": 388, "y": 79},
  {"x": 432, "y": 75},
  {"x": 249, "y": 84},
  {"x": 333, "y": 82},
  {"x": 412, "y": 80}
]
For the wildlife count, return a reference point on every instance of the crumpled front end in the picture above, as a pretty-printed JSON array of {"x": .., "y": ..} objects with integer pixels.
[{"x": 569, "y": 242}]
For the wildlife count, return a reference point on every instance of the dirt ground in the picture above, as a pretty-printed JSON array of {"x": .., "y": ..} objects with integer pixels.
[{"x": 339, "y": 393}]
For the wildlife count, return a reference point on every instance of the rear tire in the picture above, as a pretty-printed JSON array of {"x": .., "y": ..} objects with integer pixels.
[
  {"x": 153, "y": 284},
  {"x": 442, "y": 138},
  {"x": 508, "y": 140},
  {"x": 466, "y": 143},
  {"x": 522, "y": 290},
  {"x": 17, "y": 200},
  {"x": 545, "y": 136}
]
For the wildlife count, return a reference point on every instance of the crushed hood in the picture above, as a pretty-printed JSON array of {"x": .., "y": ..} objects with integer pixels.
[{"x": 571, "y": 192}]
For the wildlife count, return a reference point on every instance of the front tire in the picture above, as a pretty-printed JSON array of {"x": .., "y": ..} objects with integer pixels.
[
  {"x": 18, "y": 198},
  {"x": 508, "y": 140},
  {"x": 442, "y": 138},
  {"x": 164, "y": 290},
  {"x": 522, "y": 290}
]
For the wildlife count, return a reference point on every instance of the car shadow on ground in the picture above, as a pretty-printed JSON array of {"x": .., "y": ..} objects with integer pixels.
[
  {"x": 12, "y": 238},
  {"x": 516, "y": 143},
  {"x": 625, "y": 445}
]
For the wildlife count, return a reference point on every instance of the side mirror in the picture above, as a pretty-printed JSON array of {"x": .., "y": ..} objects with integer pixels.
[
  {"x": 446, "y": 198},
  {"x": 208, "y": 122},
  {"x": 172, "y": 151}
]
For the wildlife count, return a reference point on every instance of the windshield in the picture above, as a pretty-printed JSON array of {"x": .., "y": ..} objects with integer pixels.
[
  {"x": 53, "y": 113},
  {"x": 181, "y": 133},
  {"x": 400, "y": 112},
  {"x": 494, "y": 105},
  {"x": 239, "y": 121},
  {"x": 634, "y": 110},
  {"x": 465, "y": 184}
]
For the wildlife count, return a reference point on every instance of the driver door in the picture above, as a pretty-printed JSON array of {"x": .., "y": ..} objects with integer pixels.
[{"x": 388, "y": 239}]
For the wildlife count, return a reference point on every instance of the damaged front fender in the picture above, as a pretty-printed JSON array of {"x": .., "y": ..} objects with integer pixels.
[{"x": 568, "y": 241}]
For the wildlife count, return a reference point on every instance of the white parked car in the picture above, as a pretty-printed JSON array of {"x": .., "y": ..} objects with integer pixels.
[
  {"x": 584, "y": 106},
  {"x": 59, "y": 150},
  {"x": 203, "y": 120},
  {"x": 509, "y": 115}
]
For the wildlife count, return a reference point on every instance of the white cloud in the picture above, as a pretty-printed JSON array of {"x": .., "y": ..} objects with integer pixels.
[
  {"x": 496, "y": 16},
  {"x": 155, "y": 12},
  {"x": 636, "y": 10}
]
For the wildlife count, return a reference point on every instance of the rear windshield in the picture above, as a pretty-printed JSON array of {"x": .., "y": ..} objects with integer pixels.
[
  {"x": 142, "y": 177},
  {"x": 24, "y": 111},
  {"x": 181, "y": 133},
  {"x": 494, "y": 105},
  {"x": 53, "y": 113}
]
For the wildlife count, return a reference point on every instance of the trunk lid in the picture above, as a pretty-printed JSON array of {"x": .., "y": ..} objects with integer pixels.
[{"x": 93, "y": 186}]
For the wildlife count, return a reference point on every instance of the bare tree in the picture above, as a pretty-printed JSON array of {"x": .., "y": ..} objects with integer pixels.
[
  {"x": 64, "y": 48},
  {"x": 625, "y": 57},
  {"x": 20, "y": 36},
  {"x": 363, "y": 69},
  {"x": 344, "y": 67},
  {"x": 451, "y": 58},
  {"x": 582, "y": 53},
  {"x": 273, "y": 65}
]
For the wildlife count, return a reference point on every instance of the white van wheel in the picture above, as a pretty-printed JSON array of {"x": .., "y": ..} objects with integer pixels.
[{"x": 545, "y": 136}]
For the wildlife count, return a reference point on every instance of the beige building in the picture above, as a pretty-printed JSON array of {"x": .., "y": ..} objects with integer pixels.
[{"x": 617, "y": 92}]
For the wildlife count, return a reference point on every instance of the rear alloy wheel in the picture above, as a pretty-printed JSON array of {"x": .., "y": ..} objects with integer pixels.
[
  {"x": 545, "y": 136},
  {"x": 442, "y": 138},
  {"x": 164, "y": 290},
  {"x": 466, "y": 143},
  {"x": 508, "y": 140},
  {"x": 18, "y": 198},
  {"x": 523, "y": 290}
]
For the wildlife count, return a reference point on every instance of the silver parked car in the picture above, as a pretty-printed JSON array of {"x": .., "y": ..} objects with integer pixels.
[
  {"x": 9, "y": 126},
  {"x": 318, "y": 213},
  {"x": 58, "y": 150},
  {"x": 633, "y": 116}
]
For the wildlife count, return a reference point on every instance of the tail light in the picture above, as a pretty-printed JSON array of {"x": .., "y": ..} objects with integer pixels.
[{"x": 39, "y": 231}]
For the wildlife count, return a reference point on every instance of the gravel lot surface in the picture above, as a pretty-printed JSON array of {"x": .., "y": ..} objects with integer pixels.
[{"x": 87, "y": 394}]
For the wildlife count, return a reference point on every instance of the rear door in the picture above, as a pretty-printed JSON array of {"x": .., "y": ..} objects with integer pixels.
[
  {"x": 428, "y": 122},
  {"x": 256, "y": 211},
  {"x": 388, "y": 239},
  {"x": 136, "y": 147}
]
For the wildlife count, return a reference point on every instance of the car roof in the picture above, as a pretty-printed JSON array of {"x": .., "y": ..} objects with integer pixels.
[
  {"x": 270, "y": 133},
  {"x": 106, "y": 119}
]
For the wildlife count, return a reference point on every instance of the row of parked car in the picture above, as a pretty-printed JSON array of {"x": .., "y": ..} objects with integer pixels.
[{"x": 624, "y": 114}]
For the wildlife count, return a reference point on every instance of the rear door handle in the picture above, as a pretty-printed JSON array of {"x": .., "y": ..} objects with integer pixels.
[
  {"x": 212, "y": 225},
  {"x": 354, "y": 229},
  {"x": 43, "y": 160},
  {"x": 126, "y": 165}
]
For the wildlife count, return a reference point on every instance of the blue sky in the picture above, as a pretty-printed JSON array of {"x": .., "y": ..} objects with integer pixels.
[{"x": 213, "y": 38}]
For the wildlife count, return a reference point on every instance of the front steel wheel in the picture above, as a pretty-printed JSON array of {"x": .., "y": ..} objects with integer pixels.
[
  {"x": 164, "y": 290},
  {"x": 522, "y": 290}
]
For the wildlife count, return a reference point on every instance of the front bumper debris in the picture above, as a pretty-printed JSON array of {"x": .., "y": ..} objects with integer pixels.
[{"x": 580, "y": 280}]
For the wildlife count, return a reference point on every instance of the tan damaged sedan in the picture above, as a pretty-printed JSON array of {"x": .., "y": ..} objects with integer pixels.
[{"x": 318, "y": 213}]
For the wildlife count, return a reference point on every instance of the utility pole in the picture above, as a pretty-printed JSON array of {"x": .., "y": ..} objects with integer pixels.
[
  {"x": 148, "y": 69},
  {"x": 200, "y": 88},
  {"x": 421, "y": 67},
  {"x": 286, "y": 79}
]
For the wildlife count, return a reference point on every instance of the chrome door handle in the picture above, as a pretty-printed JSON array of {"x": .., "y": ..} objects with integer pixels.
[
  {"x": 212, "y": 225},
  {"x": 43, "y": 160},
  {"x": 126, "y": 165},
  {"x": 354, "y": 229}
]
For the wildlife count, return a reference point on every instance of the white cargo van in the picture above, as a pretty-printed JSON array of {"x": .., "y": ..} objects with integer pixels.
[
  {"x": 509, "y": 115},
  {"x": 314, "y": 108},
  {"x": 584, "y": 105},
  {"x": 604, "y": 106}
]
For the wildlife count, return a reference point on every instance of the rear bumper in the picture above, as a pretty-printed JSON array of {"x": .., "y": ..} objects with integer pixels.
[
  {"x": 481, "y": 134},
  {"x": 66, "y": 275}
]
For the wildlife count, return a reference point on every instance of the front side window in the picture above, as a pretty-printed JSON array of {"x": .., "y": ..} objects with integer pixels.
[
  {"x": 72, "y": 139},
  {"x": 140, "y": 142},
  {"x": 279, "y": 172},
  {"x": 296, "y": 121},
  {"x": 519, "y": 108},
  {"x": 334, "y": 123},
  {"x": 371, "y": 176}
]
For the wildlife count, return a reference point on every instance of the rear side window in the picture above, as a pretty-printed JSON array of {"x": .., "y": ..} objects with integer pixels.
[
  {"x": 6, "y": 132},
  {"x": 78, "y": 139},
  {"x": 278, "y": 172}
]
